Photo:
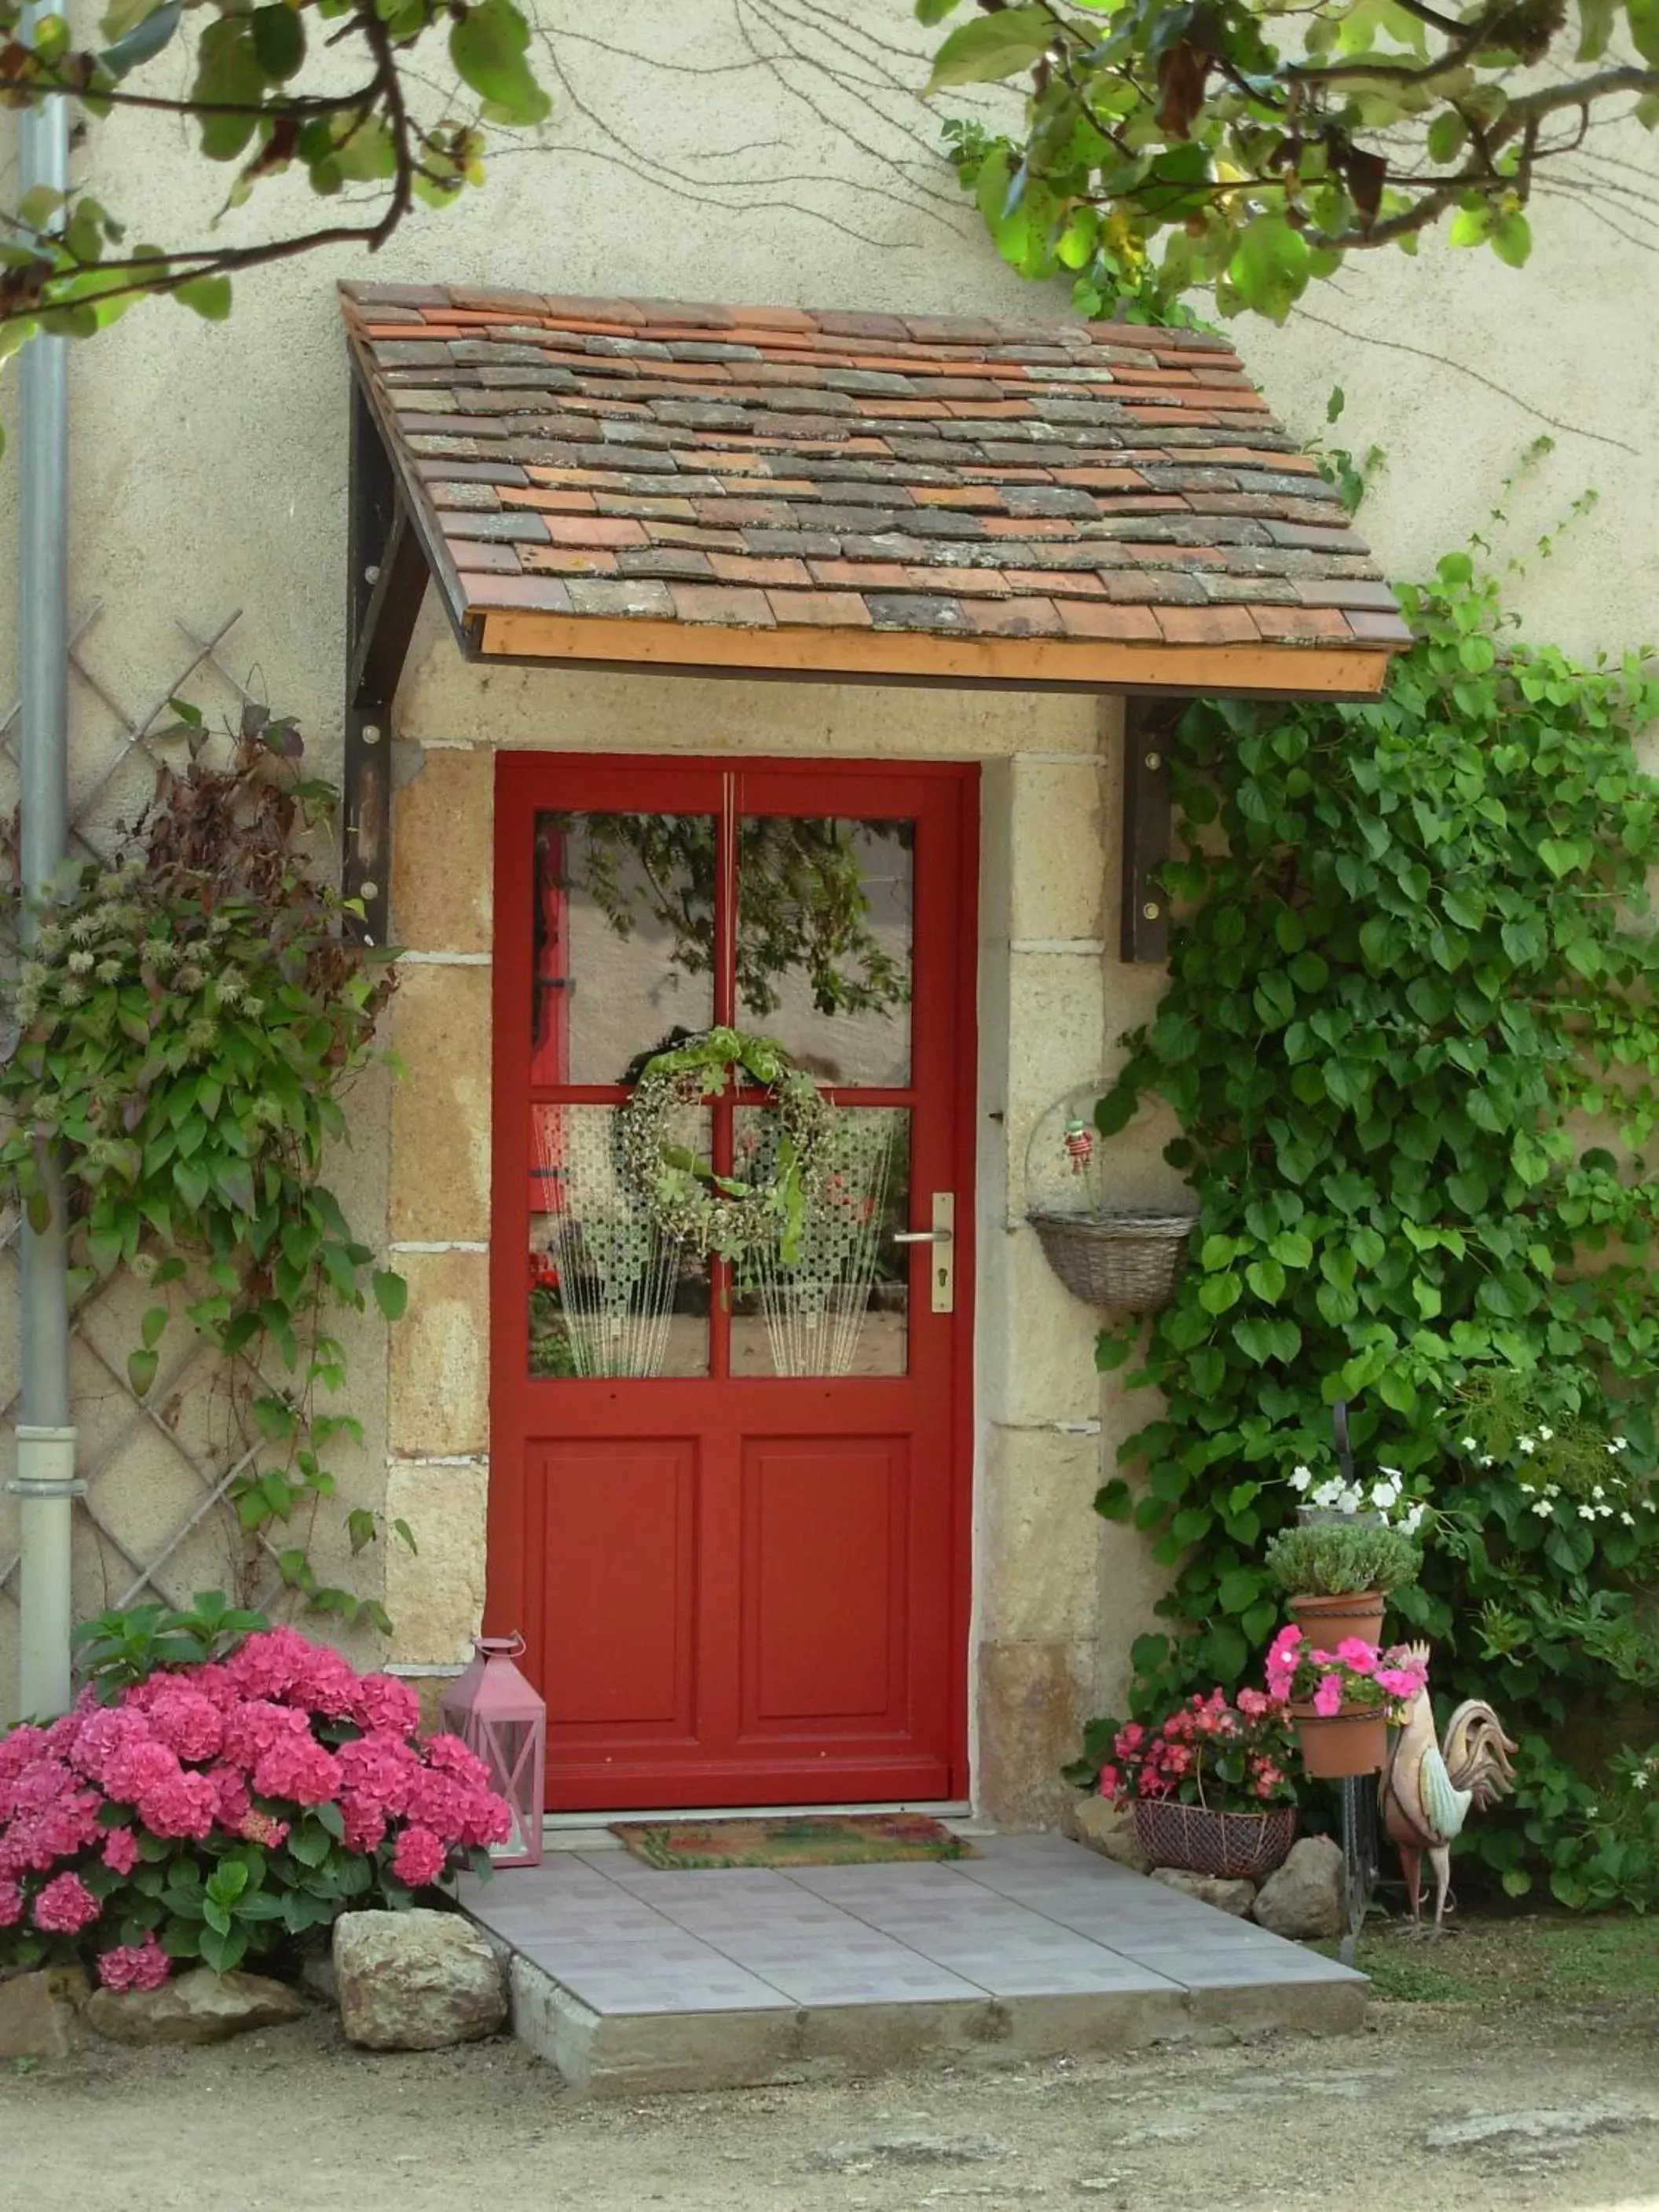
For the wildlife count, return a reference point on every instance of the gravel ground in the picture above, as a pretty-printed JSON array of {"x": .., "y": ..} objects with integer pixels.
[{"x": 1433, "y": 2107}]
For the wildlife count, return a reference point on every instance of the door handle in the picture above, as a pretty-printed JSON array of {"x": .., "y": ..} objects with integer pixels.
[{"x": 942, "y": 1266}]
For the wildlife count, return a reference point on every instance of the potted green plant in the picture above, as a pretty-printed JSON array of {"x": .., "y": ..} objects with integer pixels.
[
  {"x": 1209, "y": 1785},
  {"x": 1337, "y": 1573},
  {"x": 1342, "y": 1701}
]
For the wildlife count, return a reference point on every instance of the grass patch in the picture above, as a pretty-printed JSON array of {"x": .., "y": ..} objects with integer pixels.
[{"x": 1530, "y": 1959}]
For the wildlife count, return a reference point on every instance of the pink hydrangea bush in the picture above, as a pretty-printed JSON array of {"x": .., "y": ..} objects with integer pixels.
[
  {"x": 215, "y": 1809},
  {"x": 1232, "y": 1757},
  {"x": 1356, "y": 1677}
]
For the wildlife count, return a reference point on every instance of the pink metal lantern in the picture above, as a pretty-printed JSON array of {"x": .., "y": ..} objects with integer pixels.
[{"x": 496, "y": 1714}]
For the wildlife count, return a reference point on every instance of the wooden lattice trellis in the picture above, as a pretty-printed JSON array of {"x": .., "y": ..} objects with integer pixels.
[{"x": 168, "y": 1565}]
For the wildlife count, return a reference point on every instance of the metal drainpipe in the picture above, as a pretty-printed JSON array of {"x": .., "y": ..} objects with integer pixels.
[{"x": 44, "y": 1486}]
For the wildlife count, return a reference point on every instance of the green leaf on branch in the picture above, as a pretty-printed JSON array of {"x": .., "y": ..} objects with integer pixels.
[
  {"x": 991, "y": 48},
  {"x": 488, "y": 46}
]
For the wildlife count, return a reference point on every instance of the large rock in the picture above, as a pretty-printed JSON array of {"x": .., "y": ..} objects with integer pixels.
[
  {"x": 1303, "y": 1900},
  {"x": 1234, "y": 1897},
  {"x": 1108, "y": 1829},
  {"x": 199, "y": 2007},
  {"x": 416, "y": 1981},
  {"x": 37, "y": 2012}
]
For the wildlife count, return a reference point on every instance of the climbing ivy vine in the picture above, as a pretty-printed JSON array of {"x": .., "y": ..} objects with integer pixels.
[
  {"x": 184, "y": 1023},
  {"x": 1412, "y": 1045}
]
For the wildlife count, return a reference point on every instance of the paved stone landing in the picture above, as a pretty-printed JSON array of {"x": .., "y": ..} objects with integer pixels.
[{"x": 630, "y": 1980}]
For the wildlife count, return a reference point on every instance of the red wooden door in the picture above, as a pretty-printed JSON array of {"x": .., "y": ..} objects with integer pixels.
[{"x": 729, "y": 1506}]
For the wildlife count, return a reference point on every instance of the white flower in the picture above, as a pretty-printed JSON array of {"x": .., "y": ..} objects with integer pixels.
[
  {"x": 1526, "y": 1444},
  {"x": 1587, "y": 1513},
  {"x": 1350, "y": 1501},
  {"x": 1468, "y": 1444},
  {"x": 1604, "y": 1512},
  {"x": 1392, "y": 1472},
  {"x": 1641, "y": 1776},
  {"x": 1544, "y": 1509},
  {"x": 1301, "y": 1477},
  {"x": 1414, "y": 1520},
  {"x": 1487, "y": 1460},
  {"x": 1551, "y": 1489},
  {"x": 1629, "y": 1520},
  {"x": 1545, "y": 1433},
  {"x": 1384, "y": 1495},
  {"x": 1598, "y": 1492},
  {"x": 1327, "y": 1494},
  {"x": 1619, "y": 1445}
]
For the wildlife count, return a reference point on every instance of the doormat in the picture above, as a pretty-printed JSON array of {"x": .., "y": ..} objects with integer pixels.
[{"x": 815, "y": 1840}]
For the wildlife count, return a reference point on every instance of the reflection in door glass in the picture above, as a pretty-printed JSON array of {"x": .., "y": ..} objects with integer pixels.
[
  {"x": 825, "y": 942},
  {"x": 624, "y": 953},
  {"x": 609, "y": 1293},
  {"x": 839, "y": 1305}
]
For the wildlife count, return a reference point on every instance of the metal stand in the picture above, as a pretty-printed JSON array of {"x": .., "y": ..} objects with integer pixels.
[{"x": 1360, "y": 1852}]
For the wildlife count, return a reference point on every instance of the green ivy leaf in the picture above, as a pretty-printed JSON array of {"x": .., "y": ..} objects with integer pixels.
[{"x": 391, "y": 1293}]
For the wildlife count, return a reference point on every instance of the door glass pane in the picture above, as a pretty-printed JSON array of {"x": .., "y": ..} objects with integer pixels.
[
  {"x": 838, "y": 1305},
  {"x": 624, "y": 950},
  {"x": 824, "y": 940},
  {"x": 609, "y": 1295}
]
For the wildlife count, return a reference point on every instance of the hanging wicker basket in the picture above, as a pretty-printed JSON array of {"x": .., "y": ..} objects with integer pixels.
[
  {"x": 1126, "y": 1262},
  {"x": 1236, "y": 1846}
]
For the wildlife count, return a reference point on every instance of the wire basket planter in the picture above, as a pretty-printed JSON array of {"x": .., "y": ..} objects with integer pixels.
[
  {"x": 1120, "y": 1259},
  {"x": 1232, "y": 1846},
  {"x": 1121, "y": 1262}
]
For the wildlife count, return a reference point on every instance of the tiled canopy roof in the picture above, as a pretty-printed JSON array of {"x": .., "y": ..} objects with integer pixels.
[{"x": 652, "y": 482}]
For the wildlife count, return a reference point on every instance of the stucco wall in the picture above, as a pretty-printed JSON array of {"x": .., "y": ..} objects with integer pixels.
[{"x": 209, "y": 471}]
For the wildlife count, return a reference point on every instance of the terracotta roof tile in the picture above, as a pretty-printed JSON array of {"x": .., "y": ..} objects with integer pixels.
[{"x": 756, "y": 468}]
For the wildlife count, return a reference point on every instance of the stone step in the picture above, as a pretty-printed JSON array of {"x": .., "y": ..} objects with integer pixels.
[{"x": 631, "y": 1980}]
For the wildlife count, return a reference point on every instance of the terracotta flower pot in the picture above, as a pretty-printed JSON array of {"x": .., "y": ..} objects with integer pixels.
[
  {"x": 1352, "y": 1741},
  {"x": 1325, "y": 1621},
  {"x": 1237, "y": 1846}
]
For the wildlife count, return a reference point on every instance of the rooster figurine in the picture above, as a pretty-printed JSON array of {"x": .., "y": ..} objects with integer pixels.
[{"x": 1428, "y": 1788}]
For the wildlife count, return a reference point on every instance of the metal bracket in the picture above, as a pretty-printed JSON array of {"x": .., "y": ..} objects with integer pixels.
[
  {"x": 1147, "y": 723},
  {"x": 385, "y": 579}
]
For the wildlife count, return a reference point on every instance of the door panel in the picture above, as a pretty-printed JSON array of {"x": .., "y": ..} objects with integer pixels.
[
  {"x": 729, "y": 1506},
  {"x": 608, "y": 1500},
  {"x": 824, "y": 1555}
]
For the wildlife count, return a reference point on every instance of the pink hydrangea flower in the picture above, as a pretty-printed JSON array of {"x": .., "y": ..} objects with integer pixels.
[
  {"x": 419, "y": 1857},
  {"x": 365, "y": 1822},
  {"x": 11, "y": 1903},
  {"x": 139, "y": 1768},
  {"x": 253, "y": 1728},
  {"x": 186, "y": 1721},
  {"x": 144, "y": 1965},
  {"x": 233, "y": 1794},
  {"x": 380, "y": 1702},
  {"x": 385, "y": 1769},
  {"x": 120, "y": 1850},
  {"x": 65, "y": 1905},
  {"x": 299, "y": 1767},
  {"x": 183, "y": 1805},
  {"x": 451, "y": 1756},
  {"x": 258, "y": 1827}
]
